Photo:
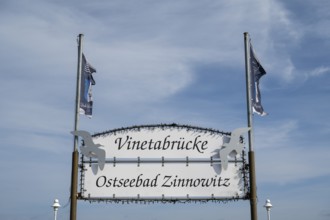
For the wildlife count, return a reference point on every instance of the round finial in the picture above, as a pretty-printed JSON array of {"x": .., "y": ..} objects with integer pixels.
[
  {"x": 56, "y": 204},
  {"x": 268, "y": 205}
]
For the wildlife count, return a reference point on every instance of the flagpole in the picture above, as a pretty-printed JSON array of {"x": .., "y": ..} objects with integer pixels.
[
  {"x": 75, "y": 154},
  {"x": 252, "y": 172}
]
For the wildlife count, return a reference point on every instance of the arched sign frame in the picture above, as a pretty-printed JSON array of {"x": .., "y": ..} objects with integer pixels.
[{"x": 163, "y": 163}]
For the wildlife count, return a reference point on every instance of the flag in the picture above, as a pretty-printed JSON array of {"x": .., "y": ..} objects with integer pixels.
[
  {"x": 256, "y": 72},
  {"x": 87, "y": 80}
]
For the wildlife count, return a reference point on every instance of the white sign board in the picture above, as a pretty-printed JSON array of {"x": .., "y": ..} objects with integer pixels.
[
  {"x": 168, "y": 182},
  {"x": 165, "y": 162}
]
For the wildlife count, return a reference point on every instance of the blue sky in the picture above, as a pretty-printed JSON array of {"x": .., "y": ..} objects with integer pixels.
[{"x": 164, "y": 62}]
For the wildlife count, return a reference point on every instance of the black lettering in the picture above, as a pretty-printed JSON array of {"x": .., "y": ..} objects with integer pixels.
[
  {"x": 165, "y": 184},
  {"x": 136, "y": 145},
  {"x": 143, "y": 144},
  {"x": 154, "y": 181},
  {"x": 173, "y": 143},
  {"x": 100, "y": 182},
  {"x": 126, "y": 181},
  {"x": 204, "y": 144},
  {"x": 197, "y": 182},
  {"x": 128, "y": 143},
  {"x": 182, "y": 144},
  {"x": 131, "y": 183},
  {"x": 119, "y": 144},
  {"x": 187, "y": 145},
  {"x": 226, "y": 183},
  {"x": 109, "y": 183},
  {"x": 157, "y": 145},
  {"x": 119, "y": 183},
  {"x": 166, "y": 142},
  {"x": 150, "y": 142},
  {"x": 115, "y": 182},
  {"x": 139, "y": 181},
  {"x": 196, "y": 144},
  {"x": 189, "y": 182}
]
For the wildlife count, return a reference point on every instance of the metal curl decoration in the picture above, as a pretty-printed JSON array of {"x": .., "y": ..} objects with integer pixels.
[{"x": 162, "y": 126}]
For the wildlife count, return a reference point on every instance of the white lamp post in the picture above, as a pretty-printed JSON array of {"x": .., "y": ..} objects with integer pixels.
[
  {"x": 268, "y": 206},
  {"x": 55, "y": 206}
]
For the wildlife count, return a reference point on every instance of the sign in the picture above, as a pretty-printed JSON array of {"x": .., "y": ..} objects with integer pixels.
[{"x": 163, "y": 162}]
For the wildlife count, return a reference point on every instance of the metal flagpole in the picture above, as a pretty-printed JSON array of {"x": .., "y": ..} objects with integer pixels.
[
  {"x": 75, "y": 154},
  {"x": 253, "y": 187}
]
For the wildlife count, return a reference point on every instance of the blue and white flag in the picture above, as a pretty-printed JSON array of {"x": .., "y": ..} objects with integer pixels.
[
  {"x": 256, "y": 72},
  {"x": 87, "y": 80}
]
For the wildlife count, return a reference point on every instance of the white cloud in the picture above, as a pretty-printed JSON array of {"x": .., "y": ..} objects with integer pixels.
[{"x": 320, "y": 71}]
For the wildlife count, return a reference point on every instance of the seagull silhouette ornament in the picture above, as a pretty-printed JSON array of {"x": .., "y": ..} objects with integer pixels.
[
  {"x": 89, "y": 149},
  {"x": 233, "y": 146}
]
